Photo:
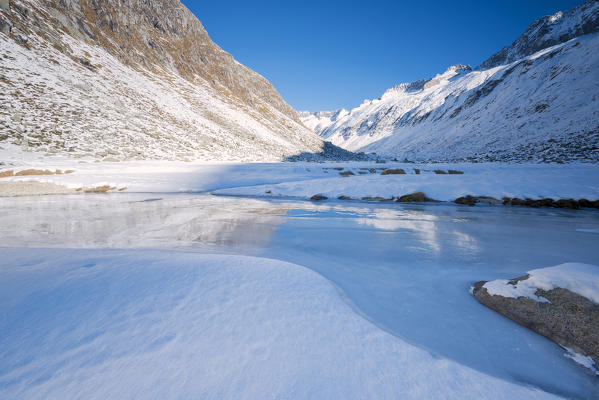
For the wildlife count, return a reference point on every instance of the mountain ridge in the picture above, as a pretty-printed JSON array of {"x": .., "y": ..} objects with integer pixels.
[
  {"x": 543, "y": 107},
  {"x": 548, "y": 31},
  {"x": 134, "y": 79}
]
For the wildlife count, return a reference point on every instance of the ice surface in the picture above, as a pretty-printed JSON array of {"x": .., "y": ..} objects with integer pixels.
[
  {"x": 585, "y": 361},
  {"x": 129, "y": 324},
  {"x": 406, "y": 268}
]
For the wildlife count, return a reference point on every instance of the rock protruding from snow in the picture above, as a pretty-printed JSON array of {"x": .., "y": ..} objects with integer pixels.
[{"x": 560, "y": 303}]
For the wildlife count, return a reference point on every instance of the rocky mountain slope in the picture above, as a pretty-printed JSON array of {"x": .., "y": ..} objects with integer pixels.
[
  {"x": 537, "y": 100},
  {"x": 134, "y": 79}
]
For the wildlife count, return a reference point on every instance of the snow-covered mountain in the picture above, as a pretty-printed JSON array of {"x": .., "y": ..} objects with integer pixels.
[
  {"x": 549, "y": 31},
  {"x": 134, "y": 79},
  {"x": 320, "y": 120},
  {"x": 537, "y": 100}
]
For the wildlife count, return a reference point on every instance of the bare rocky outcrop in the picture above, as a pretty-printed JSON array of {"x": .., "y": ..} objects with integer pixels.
[
  {"x": 568, "y": 319},
  {"x": 472, "y": 200}
]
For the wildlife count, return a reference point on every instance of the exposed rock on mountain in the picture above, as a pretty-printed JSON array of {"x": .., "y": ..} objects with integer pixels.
[
  {"x": 134, "y": 79},
  {"x": 543, "y": 107}
]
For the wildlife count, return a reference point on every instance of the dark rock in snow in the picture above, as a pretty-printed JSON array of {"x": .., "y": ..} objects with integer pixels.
[
  {"x": 472, "y": 200},
  {"x": 318, "y": 197},
  {"x": 567, "y": 203},
  {"x": 568, "y": 319},
  {"x": 397, "y": 171},
  {"x": 466, "y": 200},
  {"x": 417, "y": 197}
]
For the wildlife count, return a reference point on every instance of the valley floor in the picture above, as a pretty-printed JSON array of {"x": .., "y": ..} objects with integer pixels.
[
  {"x": 356, "y": 180},
  {"x": 158, "y": 292}
]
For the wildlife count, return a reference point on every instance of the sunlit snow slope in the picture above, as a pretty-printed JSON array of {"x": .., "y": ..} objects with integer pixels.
[
  {"x": 134, "y": 80},
  {"x": 537, "y": 100}
]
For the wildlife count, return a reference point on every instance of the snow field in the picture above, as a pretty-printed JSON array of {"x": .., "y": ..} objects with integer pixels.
[{"x": 126, "y": 324}]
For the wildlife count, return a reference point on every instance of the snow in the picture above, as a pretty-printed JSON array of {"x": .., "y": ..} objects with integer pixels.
[
  {"x": 495, "y": 180},
  {"x": 319, "y": 121},
  {"x": 541, "y": 107},
  {"x": 582, "y": 279},
  {"x": 51, "y": 104},
  {"x": 306, "y": 179},
  {"x": 127, "y": 324},
  {"x": 404, "y": 267}
]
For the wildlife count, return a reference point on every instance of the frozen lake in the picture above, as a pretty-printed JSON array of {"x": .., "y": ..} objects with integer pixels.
[{"x": 407, "y": 268}]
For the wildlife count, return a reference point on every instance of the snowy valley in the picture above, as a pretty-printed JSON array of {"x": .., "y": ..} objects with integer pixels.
[
  {"x": 535, "y": 101},
  {"x": 171, "y": 228}
]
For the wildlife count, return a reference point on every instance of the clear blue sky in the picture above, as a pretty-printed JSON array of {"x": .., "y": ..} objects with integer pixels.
[{"x": 324, "y": 55}]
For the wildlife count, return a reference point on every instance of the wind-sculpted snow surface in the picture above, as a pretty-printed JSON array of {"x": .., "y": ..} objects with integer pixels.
[
  {"x": 134, "y": 80},
  {"x": 541, "y": 107},
  {"x": 126, "y": 324}
]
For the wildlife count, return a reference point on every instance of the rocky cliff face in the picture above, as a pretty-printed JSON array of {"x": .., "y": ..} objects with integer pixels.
[
  {"x": 542, "y": 107},
  {"x": 134, "y": 79}
]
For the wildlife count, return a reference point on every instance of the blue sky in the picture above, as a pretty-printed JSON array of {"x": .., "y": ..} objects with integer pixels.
[{"x": 324, "y": 55}]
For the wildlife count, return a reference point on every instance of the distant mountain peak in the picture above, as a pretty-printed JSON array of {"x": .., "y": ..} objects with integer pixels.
[
  {"x": 537, "y": 107},
  {"x": 548, "y": 31}
]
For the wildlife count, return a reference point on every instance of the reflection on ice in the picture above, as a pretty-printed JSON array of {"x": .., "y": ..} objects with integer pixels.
[
  {"x": 136, "y": 220},
  {"x": 420, "y": 223}
]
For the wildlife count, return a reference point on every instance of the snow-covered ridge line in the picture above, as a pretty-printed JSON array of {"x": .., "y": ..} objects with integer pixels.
[
  {"x": 541, "y": 107},
  {"x": 549, "y": 31}
]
